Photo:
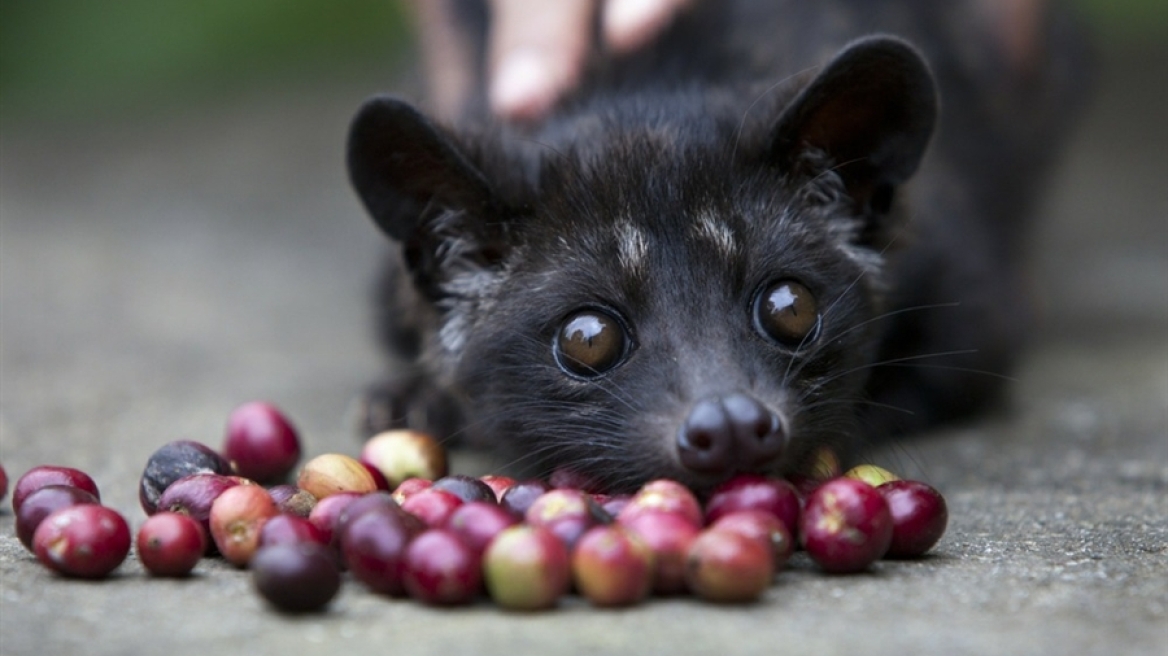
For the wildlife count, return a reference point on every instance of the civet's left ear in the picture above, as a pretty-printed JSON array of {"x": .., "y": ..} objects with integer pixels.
[{"x": 872, "y": 110}]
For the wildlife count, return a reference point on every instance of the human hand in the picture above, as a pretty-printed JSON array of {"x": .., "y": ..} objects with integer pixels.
[{"x": 536, "y": 49}]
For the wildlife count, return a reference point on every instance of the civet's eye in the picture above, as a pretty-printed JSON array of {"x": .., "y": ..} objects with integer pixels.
[
  {"x": 590, "y": 342},
  {"x": 786, "y": 312}
]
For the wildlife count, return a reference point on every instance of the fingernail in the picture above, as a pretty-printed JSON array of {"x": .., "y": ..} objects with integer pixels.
[
  {"x": 629, "y": 23},
  {"x": 524, "y": 86}
]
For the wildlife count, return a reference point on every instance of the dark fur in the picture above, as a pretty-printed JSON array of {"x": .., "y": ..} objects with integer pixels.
[{"x": 761, "y": 115}]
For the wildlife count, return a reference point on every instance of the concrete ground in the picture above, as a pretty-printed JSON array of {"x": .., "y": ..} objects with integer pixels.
[{"x": 155, "y": 273}]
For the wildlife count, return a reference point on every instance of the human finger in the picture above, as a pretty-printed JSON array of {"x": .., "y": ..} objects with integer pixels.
[
  {"x": 630, "y": 24},
  {"x": 537, "y": 51}
]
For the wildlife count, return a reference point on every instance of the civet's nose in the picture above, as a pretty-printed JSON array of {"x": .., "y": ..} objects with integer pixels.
[{"x": 730, "y": 433}]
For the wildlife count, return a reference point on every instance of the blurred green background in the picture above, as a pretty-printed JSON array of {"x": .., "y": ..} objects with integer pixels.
[{"x": 92, "y": 59}]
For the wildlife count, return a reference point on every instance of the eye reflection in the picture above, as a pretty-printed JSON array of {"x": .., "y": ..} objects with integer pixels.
[
  {"x": 589, "y": 343},
  {"x": 787, "y": 313}
]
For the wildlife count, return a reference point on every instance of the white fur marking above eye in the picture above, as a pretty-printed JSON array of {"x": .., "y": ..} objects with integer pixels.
[
  {"x": 709, "y": 228},
  {"x": 632, "y": 247}
]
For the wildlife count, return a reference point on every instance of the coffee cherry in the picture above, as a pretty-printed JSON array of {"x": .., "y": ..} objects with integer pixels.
[
  {"x": 331, "y": 473},
  {"x": 175, "y": 460},
  {"x": 519, "y": 497},
  {"x": 466, "y": 488},
  {"x": 726, "y": 566},
  {"x": 822, "y": 466},
  {"x": 377, "y": 501},
  {"x": 378, "y": 478},
  {"x": 526, "y": 568},
  {"x": 44, "y": 502},
  {"x": 409, "y": 487},
  {"x": 498, "y": 484},
  {"x": 433, "y": 506},
  {"x": 664, "y": 495},
  {"x": 373, "y": 545},
  {"x": 292, "y": 500},
  {"x": 477, "y": 523},
  {"x": 613, "y": 504},
  {"x": 764, "y": 527},
  {"x": 290, "y": 529},
  {"x": 261, "y": 444},
  {"x": 846, "y": 525},
  {"x": 871, "y": 474},
  {"x": 919, "y": 517},
  {"x": 612, "y": 566},
  {"x": 237, "y": 516},
  {"x": 440, "y": 569},
  {"x": 38, "y": 477},
  {"x": 193, "y": 495},
  {"x": 327, "y": 512},
  {"x": 170, "y": 544},
  {"x": 296, "y": 578},
  {"x": 401, "y": 454},
  {"x": 669, "y": 536},
  {"x": 570, "y": 479},
  {"x": 754, "y": 492},
  {"x": 85, "y": 541},
  {"x": 567, "y": 513}
]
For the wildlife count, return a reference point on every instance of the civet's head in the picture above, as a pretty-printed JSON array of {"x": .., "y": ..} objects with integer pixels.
[{"x": 669, "y": 291}]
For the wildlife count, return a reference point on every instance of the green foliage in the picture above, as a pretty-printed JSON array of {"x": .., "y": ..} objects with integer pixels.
[
  {"x": 1144, "y": 20},
  {"x": 74, "y": 57}
]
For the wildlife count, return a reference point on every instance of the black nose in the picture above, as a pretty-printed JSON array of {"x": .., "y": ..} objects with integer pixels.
[{"x": 730, "y": 433}]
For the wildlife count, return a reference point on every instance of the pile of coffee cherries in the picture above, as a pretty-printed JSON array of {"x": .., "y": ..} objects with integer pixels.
[{"x": 401, "y": 525}]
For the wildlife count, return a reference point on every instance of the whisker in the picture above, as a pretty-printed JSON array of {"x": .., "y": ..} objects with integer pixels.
[
  {"x": 895, "y": 313},
  {"x": 942, "y": 367},
  {"x": 758, "y": 99},
  {"x": 855, "y": 402},
  {"x": 827, "y": 312},
  {"x": 893, "y": 361}
]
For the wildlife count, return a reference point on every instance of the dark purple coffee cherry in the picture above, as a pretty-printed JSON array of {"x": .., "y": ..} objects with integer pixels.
[
  {"x": 466, "y": 488},
  {"x": 38, "y": 477},
  {"x": 373, "y": 545},
  {"x": 44, "y": 502},
  {"x": 290, "y": 529},
  {"x": 296, "y": 578},
  {"x": 193, "y": 495},
  {"x": 519, "y": 497},
  {"x": 175, "y": 460}
]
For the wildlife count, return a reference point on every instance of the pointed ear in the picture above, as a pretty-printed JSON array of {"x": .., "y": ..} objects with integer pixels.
[
  {"x": 403, "y": 166},
  {"x": 872, "y": 111}
]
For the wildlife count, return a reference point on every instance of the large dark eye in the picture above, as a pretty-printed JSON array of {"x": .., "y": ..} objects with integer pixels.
[
  {"x": 786, "y": 312},
  {"x": 590, "y": 343}
]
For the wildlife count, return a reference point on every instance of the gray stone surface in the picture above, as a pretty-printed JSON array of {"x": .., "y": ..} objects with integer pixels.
[{"x": 157, "y": 272}]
